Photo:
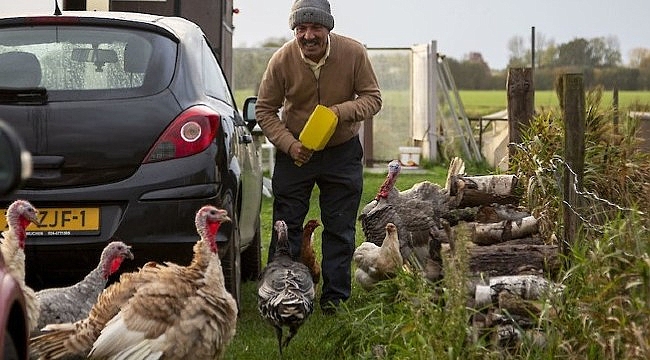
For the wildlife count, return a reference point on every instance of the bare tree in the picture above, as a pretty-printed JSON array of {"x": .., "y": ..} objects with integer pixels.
[
  {"x": 517, "y": 51},
  {"x": 545, "y": 50},
  {"x": 637, "y": 56},
  {"x": 548, "y": 56}
]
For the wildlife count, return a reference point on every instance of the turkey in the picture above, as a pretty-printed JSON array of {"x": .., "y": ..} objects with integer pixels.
[
  {"x": 285, "y": 290},
  {"x": 307, "y": 254},
  {"x": 416, "y": 214},
  {"x": 20, "y": 215},
  {"x": 73, "y": 303},
  {"x": 375, "y": 263},
  {"x": 74, "y": 340},
  {"x": 160, "y": 312}
]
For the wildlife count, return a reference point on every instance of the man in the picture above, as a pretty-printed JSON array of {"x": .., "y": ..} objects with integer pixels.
[{"x": 319, "y": 67}]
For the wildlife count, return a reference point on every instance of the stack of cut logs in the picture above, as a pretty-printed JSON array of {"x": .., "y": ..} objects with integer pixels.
[{"x": 507, "y": 257}]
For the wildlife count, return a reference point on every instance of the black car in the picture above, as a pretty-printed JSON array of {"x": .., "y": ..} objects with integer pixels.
[{"x": 132, "y": 127}]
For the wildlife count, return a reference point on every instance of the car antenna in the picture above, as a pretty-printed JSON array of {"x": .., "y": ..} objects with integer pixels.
[{"x": 57, "y": 11}]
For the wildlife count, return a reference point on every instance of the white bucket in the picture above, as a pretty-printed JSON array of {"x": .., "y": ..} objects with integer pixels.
[{"x": 409, "y": 155}]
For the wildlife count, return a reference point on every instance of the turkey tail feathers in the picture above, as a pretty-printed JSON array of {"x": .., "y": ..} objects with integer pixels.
[{"x": 52, "y": 345}]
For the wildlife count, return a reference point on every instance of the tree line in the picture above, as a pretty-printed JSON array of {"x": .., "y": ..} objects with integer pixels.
[{"x": 598, "y": 59}]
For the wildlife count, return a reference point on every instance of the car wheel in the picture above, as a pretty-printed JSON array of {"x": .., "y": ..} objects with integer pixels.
[
  {"x": 251, "y": 265},
  {"x": 10, "y": 352},
  {"x": 231, "y": 262}
]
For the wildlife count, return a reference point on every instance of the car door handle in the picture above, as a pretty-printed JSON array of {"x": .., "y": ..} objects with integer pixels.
[{"x": 246, "y": 139}]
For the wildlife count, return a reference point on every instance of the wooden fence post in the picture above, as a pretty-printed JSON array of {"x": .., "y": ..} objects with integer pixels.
[
  {"x": 521, "y": 103},
  {"x": 573, "y": 100}
]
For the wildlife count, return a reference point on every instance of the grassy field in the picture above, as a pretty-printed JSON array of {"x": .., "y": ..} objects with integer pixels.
[{"x": 482, "y": 102}]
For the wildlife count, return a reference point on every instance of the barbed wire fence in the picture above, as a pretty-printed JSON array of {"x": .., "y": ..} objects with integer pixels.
[{"x": 545, "y": 192}]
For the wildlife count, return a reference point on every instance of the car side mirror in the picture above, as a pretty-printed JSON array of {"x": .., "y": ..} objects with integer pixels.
[
  {"x": 15, "y": 161},
  {"x": 249, "y": 113},
  {"x": 249, "y": 108}
]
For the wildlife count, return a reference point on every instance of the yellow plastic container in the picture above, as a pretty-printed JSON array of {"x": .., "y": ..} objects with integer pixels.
[{"x": 319, "y": 128}]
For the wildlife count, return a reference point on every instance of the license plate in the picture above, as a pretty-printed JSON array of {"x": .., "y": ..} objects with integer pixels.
[{"x": 62, "y": 222}]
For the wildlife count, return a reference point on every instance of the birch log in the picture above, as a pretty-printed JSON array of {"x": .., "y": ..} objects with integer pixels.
[
  {"x": 525, "y": 287},
  {"x": 494, "y": 233},
  {"x": 472, "y": 191}
]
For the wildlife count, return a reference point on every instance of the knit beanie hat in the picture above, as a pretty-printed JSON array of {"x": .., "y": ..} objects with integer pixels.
[{"x": 311, "y": 11}]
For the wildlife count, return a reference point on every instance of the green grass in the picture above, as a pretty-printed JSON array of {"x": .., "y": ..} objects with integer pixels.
[
  {"x": 255, "y": 339},
  {"x": 483, "y": 102}
]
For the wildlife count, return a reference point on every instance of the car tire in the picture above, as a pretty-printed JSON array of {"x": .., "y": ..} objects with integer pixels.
[
  {"x": 251, "y": 258},
  {"x": 231, "y": 262},
  {"x": 9, "y": 352}
]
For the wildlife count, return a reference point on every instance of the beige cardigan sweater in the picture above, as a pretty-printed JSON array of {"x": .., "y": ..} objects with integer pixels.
[{"x": 347, "y": 84}]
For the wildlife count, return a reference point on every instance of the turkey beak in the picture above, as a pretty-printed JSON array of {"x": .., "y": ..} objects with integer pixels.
[
  {"x": 34, "y": 218},
  {"x": 223, "y": 216},
  {"x": 128, "y": 253}
]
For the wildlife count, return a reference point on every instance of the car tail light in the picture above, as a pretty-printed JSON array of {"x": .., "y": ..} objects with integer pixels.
[{"x": 190, "y": 133}]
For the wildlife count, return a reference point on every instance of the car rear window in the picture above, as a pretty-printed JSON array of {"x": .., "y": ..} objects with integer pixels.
[{"x": 86, "y": 62}]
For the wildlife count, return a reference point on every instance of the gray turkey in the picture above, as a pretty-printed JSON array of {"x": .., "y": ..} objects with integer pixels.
[
  {"x": 416, "y": 214},
  {"x": 72, "y": 303},
  {"x": 285, "y": 290},
  {"x": 162, "y": 311},
  {"x": 20, "y": 215}
]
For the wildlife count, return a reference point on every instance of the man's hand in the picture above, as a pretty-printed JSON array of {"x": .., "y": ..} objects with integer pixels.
[{"x": 299, "y": 153}]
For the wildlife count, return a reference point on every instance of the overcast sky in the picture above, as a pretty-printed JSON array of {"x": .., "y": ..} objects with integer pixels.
[{"x": 459, "y": 26}]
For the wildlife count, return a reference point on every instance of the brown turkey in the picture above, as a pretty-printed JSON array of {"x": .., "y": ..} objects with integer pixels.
[
  {"x": 20, "y": 215},
  {"x": 72, "y": 303},
  {"x": 285, "y": 290},
  {"x": 160, "y": 312},
  {"x": 416, "y": 212},
  {"x": 307, "y": 253},
  {"x": 376, "y": 263}
]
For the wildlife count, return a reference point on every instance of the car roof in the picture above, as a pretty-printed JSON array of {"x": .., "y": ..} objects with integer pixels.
[{"x": 173, "y": 27}]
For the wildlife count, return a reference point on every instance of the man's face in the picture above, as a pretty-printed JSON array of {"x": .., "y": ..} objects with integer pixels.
[{"x": 312, "y": 39}]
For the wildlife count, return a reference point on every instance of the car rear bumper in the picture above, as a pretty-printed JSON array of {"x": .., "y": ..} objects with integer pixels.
[
  {"x": 66, "y": 264},
  {"x": 153, "y": 211}
]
